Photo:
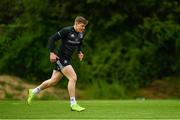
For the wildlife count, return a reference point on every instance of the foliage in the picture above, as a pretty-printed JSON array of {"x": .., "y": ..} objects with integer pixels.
[{"x": 129, "y": 43}]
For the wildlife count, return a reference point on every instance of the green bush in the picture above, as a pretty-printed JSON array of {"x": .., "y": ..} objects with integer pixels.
[{"x": 130, "y": 46}]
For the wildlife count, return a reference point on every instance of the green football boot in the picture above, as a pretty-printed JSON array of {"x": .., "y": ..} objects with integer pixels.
[
  {"x": 30, "y": 96},
  {"x": 76, "y": 107}
]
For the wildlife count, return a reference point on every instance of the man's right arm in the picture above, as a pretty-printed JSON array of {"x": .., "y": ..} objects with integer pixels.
[
  {"x": 53, "y": 57},
  {"x": 52, "y": 39}
]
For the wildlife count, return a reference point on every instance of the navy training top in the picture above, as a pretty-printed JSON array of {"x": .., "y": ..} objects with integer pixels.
[{"x": 70, "y": 41}]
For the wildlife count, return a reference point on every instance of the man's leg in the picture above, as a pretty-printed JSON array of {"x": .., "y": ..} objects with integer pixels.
[
  {"x": 69, "y": 72},
  {"x": 56, "y": 76}
]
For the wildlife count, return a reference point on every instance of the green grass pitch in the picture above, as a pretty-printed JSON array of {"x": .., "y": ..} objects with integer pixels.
[{"x": 96, "y": 109}]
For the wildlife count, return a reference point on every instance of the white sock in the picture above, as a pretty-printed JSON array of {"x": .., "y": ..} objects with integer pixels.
[
  {"x": 72, "y": 100},
  {"x": 36, "y": 90}
]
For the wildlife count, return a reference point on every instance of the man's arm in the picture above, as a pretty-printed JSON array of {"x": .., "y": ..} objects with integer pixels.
[
  {"x": 80, "y": 53},
  {"x": 81, "y": 56},
  {"x": 52, "y": 39}
]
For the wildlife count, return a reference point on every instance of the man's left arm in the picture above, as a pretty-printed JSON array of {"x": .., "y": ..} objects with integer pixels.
[{"x": 80, "y": 52}]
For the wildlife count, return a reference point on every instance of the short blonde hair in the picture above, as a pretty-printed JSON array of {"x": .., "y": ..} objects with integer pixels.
[{"x": 81, "y": 19}]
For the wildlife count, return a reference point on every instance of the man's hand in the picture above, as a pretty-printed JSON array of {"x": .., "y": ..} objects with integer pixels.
[
  {"x": 81, "y": 55},
  {"x": 53, "y": 57}
]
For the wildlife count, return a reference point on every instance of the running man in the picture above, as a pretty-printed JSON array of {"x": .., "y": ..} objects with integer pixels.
[{"x": 71, "y": 39}]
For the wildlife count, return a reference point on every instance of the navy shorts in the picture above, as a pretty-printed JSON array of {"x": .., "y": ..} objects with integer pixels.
[{"x": 61, "y": 63}]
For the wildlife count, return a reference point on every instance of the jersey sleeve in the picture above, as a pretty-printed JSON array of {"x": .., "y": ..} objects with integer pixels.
[
  {"x": 52, "y": 40},
  {"x": 80, "y": 47},
  {"x": 57, "y": 36}
]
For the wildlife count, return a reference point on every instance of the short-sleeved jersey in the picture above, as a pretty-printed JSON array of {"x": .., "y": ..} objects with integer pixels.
[{"x": 70, "y": 41}]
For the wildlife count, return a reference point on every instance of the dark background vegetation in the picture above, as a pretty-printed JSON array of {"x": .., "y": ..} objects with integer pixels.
[{"x": 128, "y": 43}]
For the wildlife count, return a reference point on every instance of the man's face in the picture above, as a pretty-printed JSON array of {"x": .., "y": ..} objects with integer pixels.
[{"x": 80, "y": 27}]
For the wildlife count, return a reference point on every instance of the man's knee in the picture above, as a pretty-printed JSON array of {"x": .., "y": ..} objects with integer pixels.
[
  {"x": 74, "y": 78},
  {"x": 53, "y": 81}
]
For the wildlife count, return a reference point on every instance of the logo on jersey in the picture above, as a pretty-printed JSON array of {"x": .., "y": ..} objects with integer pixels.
[{"x": 72, "y": 35}]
